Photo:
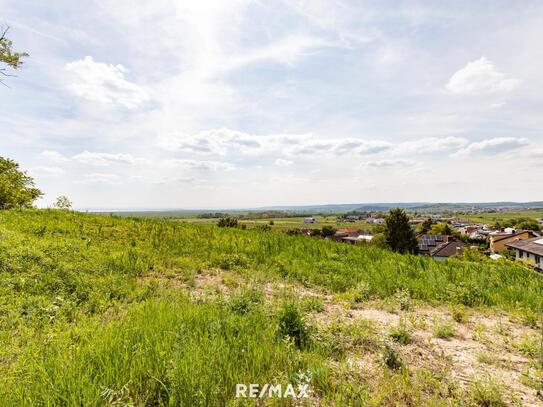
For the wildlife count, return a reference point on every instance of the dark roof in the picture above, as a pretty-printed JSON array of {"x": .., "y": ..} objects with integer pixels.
[
  {"x": 528, "y": 245},
  {"x": 428, "y": 242},
  {"x": 448, "y": 249},
  {"x": 439, "y": 245},
  {"x": 509, "y": 235}
]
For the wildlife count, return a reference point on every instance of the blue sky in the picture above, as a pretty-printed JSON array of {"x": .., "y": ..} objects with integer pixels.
[{"x": 202, "y": 104}]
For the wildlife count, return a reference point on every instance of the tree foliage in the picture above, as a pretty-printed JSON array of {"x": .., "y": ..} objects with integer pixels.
[
  {"x": 227, "y": 222},
  {"x": 528, "y": 225},
  {"x": 63, "y": 202},
  {"x": 443, "y": 229},
  {"x": 17, "y": 189},
  {"x": 8, "y": 56},
  {"x": 427, "y": 225},
  {"x": 398, "y": 233},
  {"x": 328, "y": 231}
]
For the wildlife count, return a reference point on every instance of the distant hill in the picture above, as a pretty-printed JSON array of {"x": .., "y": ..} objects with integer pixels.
[{"x": 427, "y": 207}]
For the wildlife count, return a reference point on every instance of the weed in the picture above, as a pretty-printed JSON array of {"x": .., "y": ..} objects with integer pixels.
[
  {"x": 459, "y": 313},
  {"x": 400, "y": 333},
  {"x": 444, "y": 329},
  {"x": 403, "y": 297},
  {"x": 389, "y": 356},
  {"x": 487, "y": 393},
  {"x": 291, "y": 324}
]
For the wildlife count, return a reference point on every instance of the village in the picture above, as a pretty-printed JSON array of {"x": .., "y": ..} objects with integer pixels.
[{"x": 443, "y": 237}]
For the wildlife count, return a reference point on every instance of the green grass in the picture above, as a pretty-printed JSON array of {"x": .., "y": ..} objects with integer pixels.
[
  {"x": 87, "y": 316},
  {"x": 493, "y": 217}
]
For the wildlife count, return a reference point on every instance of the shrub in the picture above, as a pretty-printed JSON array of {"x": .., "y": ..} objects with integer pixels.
[
  {"x": 328, "y": 231},
  {"x": 487, "y": 393},
  {"x": 389, "y": 356},
  {"x": 403, "y": 296},
  {"x": 244, "y": 301},
  {"x": 459, "y": 313},
  {"x": 227, "y": 222},
  {"x": 361, "y": 292},
  {"x": 400, "y": 333},
  {"x": 292, "y": 325},
  {"x": 443, "y": 329}
]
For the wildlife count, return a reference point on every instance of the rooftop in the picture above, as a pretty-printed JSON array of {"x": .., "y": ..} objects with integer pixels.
[{"x": 533, "y": 245}]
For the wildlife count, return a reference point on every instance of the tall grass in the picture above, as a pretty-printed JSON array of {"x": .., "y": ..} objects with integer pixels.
[
  {"x": 82, "y": 322},
  {"x": 160, "y": 353}
]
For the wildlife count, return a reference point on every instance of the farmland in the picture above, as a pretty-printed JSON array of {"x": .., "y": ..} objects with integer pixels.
[
  {"x": 104, "y": 310},
  {"x": 295, "y": 222}
]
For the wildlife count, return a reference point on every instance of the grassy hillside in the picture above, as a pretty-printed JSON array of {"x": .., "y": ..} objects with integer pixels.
[{"x": 101, "y": 310}]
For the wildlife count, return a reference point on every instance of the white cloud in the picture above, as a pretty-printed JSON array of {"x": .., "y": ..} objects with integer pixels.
[
  {"x": 54, "y": 156},
  {"x": 46, "y": 171},
  {"x": 390, "y": 163},
  {"x": 226, "y": 141},
  {"x": 283, "y": 163},
  {"x": 285, "y": 51},
  {"x": 432, "y": 144},
  {"x": 480, "y": 77},
  {"x": 493, "y": 146},
  {"x": 105, "y": 159},
  {"x": 346, "y": 146},
  {"x": 198, "y": 165},
  {"x": 105, "y": 83},
  {"x": 101, "y": 178},
  {"x": 214, "y": 141}
]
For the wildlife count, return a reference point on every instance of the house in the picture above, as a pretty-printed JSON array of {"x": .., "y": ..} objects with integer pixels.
[
  {"x": 498, "y": 240},
  {"x": 377, "y": 221},
  {"x": 351, "y": 235},
  {"x": 310, "y": 220},
  {"x": 530, "y": 250},
  {"x": 351, "y": 218},
  {"x": 440, "y": 247},
  {"x": 468, "y": 230},
  {"x": 346, "y": 232}
]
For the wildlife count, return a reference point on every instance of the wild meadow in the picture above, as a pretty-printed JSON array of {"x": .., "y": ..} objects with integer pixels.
[{"x": 104, "y": 310}]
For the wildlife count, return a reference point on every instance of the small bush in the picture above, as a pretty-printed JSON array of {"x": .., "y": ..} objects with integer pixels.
[
  {"x": 292, "y": 325},
  {"x": 401, "y": 333},
  {"x": 245, "y": 301},
  {"x": 390, "y": 357},
  {"x": 403, "y": 297},
  {"x": 487, "y": 358},
  {"x": 362, "y": 292},
  {"x": 487, "y": 393},
  {"x": 444, "y": 330},
  {"x": 459, "y": 313},
  {"x": 227, "y": 222}
]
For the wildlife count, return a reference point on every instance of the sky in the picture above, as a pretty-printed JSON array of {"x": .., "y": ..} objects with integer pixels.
[{"x": 239, "y": 103}]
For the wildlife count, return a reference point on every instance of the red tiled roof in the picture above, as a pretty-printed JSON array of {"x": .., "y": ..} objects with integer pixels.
[{"x": 348, "y": 230}]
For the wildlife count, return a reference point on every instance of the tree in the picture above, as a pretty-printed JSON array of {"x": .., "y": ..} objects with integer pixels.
[
  {"x": 398, "y": 233},
  {"x": 63, "y": 202},
  {"x": 228, "y": 222},
  {"x": 17, "y": 189},
  {"x": 528, "y": 225},
  {"x": 8, "y": 56},
  {"x": 427, "y": 225},
  {"x": 443, "y": 229},
  {"x": 328, "y": 231}
]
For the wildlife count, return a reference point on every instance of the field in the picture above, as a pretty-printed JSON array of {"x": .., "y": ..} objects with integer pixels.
[
  {"x": 493, "y": 217},
  {"x": 284, "y": 224},
  {"x": 106, "y": 310}
]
